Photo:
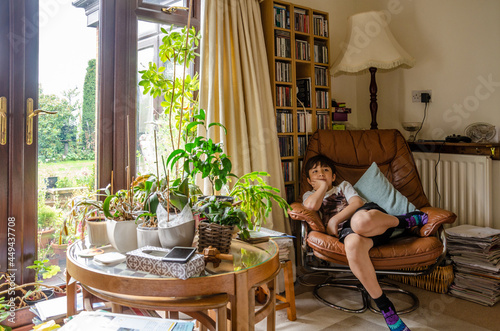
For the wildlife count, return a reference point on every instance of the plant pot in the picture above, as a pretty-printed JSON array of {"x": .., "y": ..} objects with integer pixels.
[
  {"x": 97, "y": 232},
  {"x": 48, "y": 292},
  {"x": 59, "y": 252},
  {"x": 122, "y": 235},
  {"x": 176, "y": 235},
  {"x": 148, "y": 236},
  {"x": 46, "y": 236},
  {"x": 51, "y": 182},
  {"x": 19, "y": 317},
  {"x": 63, "y": 287},
  {"x": 215, "y": 235}
]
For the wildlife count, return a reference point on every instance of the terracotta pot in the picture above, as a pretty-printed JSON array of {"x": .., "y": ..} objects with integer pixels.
[
  {"x": 46, "y": 236},
  {"x": 122, "y": 235},
  {"x": 19, "y": 317},
  {"x": 59, "y": 252},
  {"x": 63, "y": 287},
  {"x": 97, "y": 231}
]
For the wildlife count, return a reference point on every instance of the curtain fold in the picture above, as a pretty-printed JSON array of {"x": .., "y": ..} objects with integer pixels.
[{"x": 235, "y": 90}]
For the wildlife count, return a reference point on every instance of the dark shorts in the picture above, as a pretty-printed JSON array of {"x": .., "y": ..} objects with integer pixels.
[{"x": 377, "y": 240}]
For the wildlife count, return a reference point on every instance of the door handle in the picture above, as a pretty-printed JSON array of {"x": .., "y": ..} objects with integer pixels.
[
  {"x": 30, "y": 113},
  {"x": 3, "y": 120}
]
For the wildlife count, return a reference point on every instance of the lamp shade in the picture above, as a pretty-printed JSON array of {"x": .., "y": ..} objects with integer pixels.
[{"x": 370, "y": 43}]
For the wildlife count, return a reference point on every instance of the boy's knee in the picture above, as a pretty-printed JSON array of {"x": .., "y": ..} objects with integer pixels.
[
  {"x": 360, "y": 221},
  {"x": 354, "y": 244}
]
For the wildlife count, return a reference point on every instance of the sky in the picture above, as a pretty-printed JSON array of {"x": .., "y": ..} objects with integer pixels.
[{"x": 66, "y": 46}]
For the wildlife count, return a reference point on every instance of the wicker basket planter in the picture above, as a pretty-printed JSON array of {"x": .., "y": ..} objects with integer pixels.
[{"x": 215, "y": 235}]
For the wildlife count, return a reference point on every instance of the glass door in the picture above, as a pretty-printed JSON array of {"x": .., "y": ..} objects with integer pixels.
[
  {"x": 68, "y": 55},
  {"x": 18, "y": 85}
]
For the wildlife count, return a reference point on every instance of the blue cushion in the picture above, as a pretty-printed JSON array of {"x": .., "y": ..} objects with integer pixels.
[{"x": 373, "y": 186}]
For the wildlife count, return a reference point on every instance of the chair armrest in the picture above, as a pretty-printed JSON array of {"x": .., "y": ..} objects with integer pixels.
[
  {"x": 437, "y": 217},
  {"x": 301, "y": 213}
]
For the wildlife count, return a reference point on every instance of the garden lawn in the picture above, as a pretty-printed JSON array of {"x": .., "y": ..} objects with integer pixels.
[{"x": 65, "y": 168}]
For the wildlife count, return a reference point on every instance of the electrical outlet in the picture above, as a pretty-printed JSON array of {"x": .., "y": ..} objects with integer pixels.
[{"x": 416, "y": 95}]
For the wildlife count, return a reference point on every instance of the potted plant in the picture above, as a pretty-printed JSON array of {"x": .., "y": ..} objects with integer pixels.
[
  {"x": 86, "y": 216},
  {"x": 121, "y": 211},
  {"x": 42, "y": 268},
  {"x": 47, "y": 216},
  {"x": 255, "y": 198},
  {"x": 218, "y": 220}
]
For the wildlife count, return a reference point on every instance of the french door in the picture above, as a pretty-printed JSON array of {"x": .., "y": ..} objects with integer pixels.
[{"x": 18, "y": 149}]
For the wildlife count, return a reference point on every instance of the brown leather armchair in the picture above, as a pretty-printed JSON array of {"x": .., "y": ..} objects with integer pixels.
[{"x": 353, "y": 152}]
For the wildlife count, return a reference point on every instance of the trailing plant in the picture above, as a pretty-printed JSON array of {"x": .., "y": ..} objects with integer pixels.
[{"x": 255, "y": 198}]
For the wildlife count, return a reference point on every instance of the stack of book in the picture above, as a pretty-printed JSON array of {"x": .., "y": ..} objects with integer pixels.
[{"x": 475, "y": 252}]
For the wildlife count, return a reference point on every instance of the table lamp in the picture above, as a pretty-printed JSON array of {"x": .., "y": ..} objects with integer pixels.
[{"x": 369, "y": 44}]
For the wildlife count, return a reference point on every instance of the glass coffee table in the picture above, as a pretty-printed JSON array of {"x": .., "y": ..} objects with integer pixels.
[{"x": 236, "y": 279}]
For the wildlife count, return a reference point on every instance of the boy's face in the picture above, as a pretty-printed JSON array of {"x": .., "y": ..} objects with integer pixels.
[{"x": 323, "y": 173}]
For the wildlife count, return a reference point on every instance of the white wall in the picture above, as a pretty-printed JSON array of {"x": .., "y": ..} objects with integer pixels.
[{"x": 456, "y": 45}]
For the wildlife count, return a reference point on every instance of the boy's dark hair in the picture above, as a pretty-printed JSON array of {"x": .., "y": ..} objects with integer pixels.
[{"x": 320, "y": 160}]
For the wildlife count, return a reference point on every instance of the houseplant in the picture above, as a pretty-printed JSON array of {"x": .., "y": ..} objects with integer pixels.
[
  {"x": 218, "y": 219},
  {"x": 255, "y": 198},
  {"x": 121, "y": 210}
]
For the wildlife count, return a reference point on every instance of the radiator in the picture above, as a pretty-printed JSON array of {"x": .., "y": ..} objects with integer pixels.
[{"x": 464, "y": 183}]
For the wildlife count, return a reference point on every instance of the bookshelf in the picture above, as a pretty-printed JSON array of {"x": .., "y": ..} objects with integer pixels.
[{"x": 297, "y": 44}]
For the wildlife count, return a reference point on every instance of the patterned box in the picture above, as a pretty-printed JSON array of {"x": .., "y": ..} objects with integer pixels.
[{"x": 149, "y": 259}]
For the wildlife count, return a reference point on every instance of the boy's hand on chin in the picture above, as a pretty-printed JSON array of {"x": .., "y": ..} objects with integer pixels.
[{"x": 318, "y": 184}]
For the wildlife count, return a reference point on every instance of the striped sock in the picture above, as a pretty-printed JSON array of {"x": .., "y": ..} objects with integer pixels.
[
  {"x": 416, "y": 218},
  {"x": 389, "y": 312}
]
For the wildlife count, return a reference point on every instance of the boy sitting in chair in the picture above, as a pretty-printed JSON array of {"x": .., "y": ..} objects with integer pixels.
[{"x": 359, "y": 225}]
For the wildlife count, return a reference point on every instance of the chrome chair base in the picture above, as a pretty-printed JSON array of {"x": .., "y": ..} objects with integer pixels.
[{"x": 366, "y": 300}]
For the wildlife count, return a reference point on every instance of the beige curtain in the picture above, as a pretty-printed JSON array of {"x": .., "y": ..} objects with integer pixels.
[{"x": 235, "y": 90}]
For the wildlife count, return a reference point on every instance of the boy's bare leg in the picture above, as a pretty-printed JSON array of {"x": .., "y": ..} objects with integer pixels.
[
  {"x": 357, "y": 248},
  {"x": 369, "y": 223},
  {"x": 357, "y": 252}
]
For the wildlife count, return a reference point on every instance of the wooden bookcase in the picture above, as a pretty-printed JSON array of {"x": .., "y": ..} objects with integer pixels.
[{"x": 297, "y": 43}]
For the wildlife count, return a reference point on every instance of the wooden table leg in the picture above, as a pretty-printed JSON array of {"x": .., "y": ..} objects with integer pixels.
[
  {"x": 116, "y": 308},
  {"x": 290, "y": 291},
  {"x": 242, "y": 311},
  {"x": 271, "y": 318},
  {"x": 70, "y": 295}
]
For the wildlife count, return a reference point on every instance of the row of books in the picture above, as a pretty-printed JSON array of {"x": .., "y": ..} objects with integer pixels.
[
  {"x": 321, "y": 75},
  {"x": 302, "y": 145},
  {"x": 281, "y": 16},
  {"x": 320, "y": 53},
  {"x": 301, "y": 17},
  {"x": 475, "y": 252},
  {"x": 322, "y": 120},
  {"x": 320, "y": 26},
  {"x": 302, "y": 50},
  {"x": 283, "y": 71},
  {"x": 282, "y": 43},
  {"x": 286, "y": 146},
  {"x": 284, "y": 121},
  {"x": 283, "y": 96},
  {"x": 322, "y": 99},
  {"x": 304, "y": 122},
  {"x": 301, "y": 20},
  {"x": 288, "y": 174}
]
